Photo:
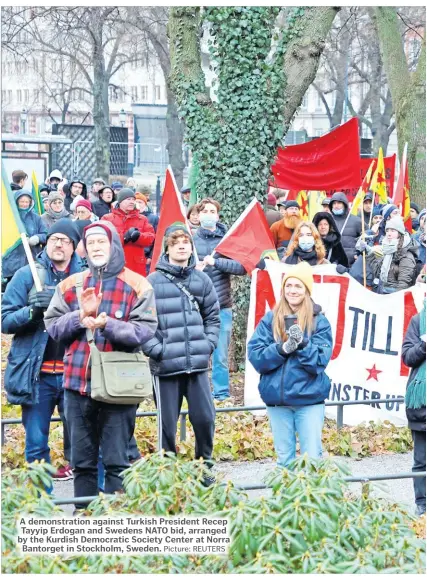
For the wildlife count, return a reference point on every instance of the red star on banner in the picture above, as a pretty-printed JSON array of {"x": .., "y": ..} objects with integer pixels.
[
  {"x": 373, "y": 373},
  {"x": 380, "y": 179},
  {"x": 304, "y": 205},
  {"x": 365, "y": 186}
]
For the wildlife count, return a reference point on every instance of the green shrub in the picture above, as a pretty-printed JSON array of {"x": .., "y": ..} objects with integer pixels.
[{"x": 309, "y": 524}]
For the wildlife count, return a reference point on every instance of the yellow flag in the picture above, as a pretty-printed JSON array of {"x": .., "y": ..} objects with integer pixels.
[
  {"x": 378, "y": 184},
  {"x": 362, "y": 191},
  {"x": 315, "y": 198},
  {"x": 38, "y": 202},
  {"x": 11, "y": 223},
  {"x": 302, "y": 200}
]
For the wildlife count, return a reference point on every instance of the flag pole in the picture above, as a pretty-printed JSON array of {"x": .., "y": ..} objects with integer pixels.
[
  {"x": 30, "y": 259},
  {"x": 364, "y": 252}
]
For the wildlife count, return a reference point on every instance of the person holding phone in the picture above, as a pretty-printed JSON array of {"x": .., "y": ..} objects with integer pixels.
[{"x": 290, "y": 349}]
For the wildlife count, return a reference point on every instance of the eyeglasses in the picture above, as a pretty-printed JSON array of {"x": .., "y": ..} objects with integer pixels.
[{"x": 55, "y": 240}]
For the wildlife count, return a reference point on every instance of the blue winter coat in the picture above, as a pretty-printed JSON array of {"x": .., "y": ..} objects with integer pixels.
[
  {"x": 33, "y": 225},
  {"x": 298, "y": 378},
  {"x": 205, "y": 242},
  {"x": 30, "y": 337}
]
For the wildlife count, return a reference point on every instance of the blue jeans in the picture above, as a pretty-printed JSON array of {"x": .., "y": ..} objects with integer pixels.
[
  {"x": 307, "y": 421},
  {"x": 36, "y": 419},
  {"x": 220, "y": 372}
]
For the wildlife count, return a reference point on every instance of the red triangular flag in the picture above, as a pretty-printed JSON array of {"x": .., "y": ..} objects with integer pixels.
[
  {"x": 172, "y": 210},
  {"x": 249, "y": 239}
]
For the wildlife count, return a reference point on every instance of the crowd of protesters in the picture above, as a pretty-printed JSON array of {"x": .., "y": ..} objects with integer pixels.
[{"x": 180, "y": 317}]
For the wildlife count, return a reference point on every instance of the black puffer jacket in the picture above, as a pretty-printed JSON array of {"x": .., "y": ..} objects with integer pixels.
[
  {"x": 185, "y": 338},
  {"x": 414, "y": 354},
  {"x": 68, "y": 198},
  {"x": 353, "y": 228},
  {"x": 205, "y": 242},
  {"x": 335, "y": 252}
]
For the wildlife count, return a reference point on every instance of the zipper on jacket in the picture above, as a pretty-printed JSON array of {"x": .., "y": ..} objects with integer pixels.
[{"x": 183, "y": 298}]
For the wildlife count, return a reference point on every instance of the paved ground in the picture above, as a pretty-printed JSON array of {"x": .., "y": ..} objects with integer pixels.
[{"x": 246, "y": 473}]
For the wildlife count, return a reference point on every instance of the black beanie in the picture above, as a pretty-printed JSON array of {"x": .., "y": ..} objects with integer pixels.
[
  {"x": 291, "y": 203},
  {"x": 124, "y": 194},
  {"x": 415, "y": 207},
  {"x": 67, "y": 227}
]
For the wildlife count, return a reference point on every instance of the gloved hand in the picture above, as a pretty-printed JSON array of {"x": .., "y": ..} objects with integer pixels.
[
  {"x": 132, "y": 235},
  {"x": 33, "y": 240},
  {"x": 341, "y": 269},
  {"x": 290, "y": 346},
  {"x": 361, "y": 245},
  {"x": 39, "y": 302},
  {"x": 296, "y": 334},
  {"x": 260, "y": 264}
]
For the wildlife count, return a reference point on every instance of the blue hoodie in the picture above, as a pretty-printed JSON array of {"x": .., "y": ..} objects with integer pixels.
[{"x": 295, "y": 379}]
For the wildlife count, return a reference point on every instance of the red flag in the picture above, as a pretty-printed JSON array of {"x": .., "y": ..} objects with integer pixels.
[
  {"x": 172, "y": 210},
  {"x": 401, "y": 196},
  {"x": 249, "y": 239},
  {"x": 331, "y": 161}
]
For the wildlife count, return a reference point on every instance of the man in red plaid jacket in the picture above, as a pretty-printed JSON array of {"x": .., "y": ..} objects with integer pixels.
[{"x": 119, "y": 306}]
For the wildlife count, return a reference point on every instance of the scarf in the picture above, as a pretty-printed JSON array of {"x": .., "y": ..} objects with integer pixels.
[
  {"x": 58, "y": 215},
  {"x": 415, "y": 397},
  {"x": 299, "y": 254},
  {"x": 389, "y": 250}
]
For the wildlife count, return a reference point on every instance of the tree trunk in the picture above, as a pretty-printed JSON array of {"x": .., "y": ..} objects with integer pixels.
[
  {"x": 408, "y": 93},
  {"x": 101, "y": 114},
  {"x": 303, "y": 54},
  {"x": 175, "y": 130}
]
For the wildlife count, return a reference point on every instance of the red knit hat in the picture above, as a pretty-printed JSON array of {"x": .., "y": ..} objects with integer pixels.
[
  {"x": 83, "y": 202},
  {"x": 271, "y": 199}
]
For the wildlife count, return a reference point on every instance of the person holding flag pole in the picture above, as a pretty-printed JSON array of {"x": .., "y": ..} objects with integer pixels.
[{"x": 378, "y": 183}]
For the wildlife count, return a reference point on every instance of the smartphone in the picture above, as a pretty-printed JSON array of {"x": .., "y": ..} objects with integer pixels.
[{"x": 290, "y": 320}]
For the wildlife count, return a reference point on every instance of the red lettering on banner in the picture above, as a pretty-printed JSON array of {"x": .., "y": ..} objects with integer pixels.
[
  {"x": 344, "y": 283},
  {"x": 409, "y": 311},
  {"x": 264, "y": 294}
]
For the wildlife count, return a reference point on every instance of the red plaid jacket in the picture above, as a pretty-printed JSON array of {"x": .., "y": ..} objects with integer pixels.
[{"x": 128, "y": 300}]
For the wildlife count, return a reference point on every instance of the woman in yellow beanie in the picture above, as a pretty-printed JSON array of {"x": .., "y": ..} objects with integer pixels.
[{"x": 290, "y": 349}]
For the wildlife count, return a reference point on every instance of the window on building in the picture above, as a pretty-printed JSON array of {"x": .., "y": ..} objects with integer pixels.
[
  {"x": 36, "y": 65},
  {"x": 3, "y": 95},
  {"x": 319, "y": 103},
  {"x": 18, "y": 67},
  {"x": 304, "y": 102},
  {"x": 333, "y": 99},
  {"x": 26, "y": 96},
  {"x": 134, "y": 93},
  {"x": 9, "y": 96},
  {"x": 19, "y": 96},
  {"x": 318, "y": 132},
  {"x": 122, "y": 95},
  {"x": 112, "y": 93},
  {"x": 144, "y": 93},
  {"x": 36, "y": 95},
  {"x": 157, "y": 95}
]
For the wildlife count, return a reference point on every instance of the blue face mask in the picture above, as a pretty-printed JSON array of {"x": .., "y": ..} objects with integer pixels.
[
  {"x": 306, "y": 243},
  {"x": 338, "y": 211},
  {"x": 207, "y": 221}
]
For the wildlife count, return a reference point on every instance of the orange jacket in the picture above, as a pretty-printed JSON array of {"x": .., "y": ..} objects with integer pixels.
[{"x": 134, "y": 251}]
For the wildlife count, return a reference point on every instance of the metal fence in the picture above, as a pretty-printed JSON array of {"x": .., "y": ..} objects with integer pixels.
[{"x": 183, "y": 414}]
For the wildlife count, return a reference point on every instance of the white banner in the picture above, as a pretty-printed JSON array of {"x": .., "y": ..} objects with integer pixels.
[{"x": 368, "y": 331}]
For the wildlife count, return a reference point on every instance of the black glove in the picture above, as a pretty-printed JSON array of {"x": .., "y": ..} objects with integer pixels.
[
  {"x": 132, "y": 235},
  {"x": 341, "y": 269},
  {"x": 261, "y": 264},
  {"x": 41, "y": 299}
]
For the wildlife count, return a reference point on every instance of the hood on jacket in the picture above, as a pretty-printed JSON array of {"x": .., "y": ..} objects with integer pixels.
[
  {"x": 340, "y": 197},
  {"x": 23, "y": 192},
  {"x": 100, "y": 191},
  {"x": 163, "y": 264},
  {"x": 410, "y": 244},
  {"x": 116, "y": 262},
  {"x": 332, "y": 224},
  {"x": 14, "y": 186},
  {"x": 69, "y": 185}
]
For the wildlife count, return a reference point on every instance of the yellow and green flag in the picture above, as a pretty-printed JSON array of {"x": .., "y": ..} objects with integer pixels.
[
  {"x": 11, "y": 224},
  {"x": 38, "y": 201},
  {"x": 378, "y": 184}
]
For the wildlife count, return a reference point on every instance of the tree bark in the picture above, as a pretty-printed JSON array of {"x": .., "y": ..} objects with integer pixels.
[
  {"x": 175, "y": 130},
  {"x": 101, "y": 112},
  {"x": 303, "y": 54},
  {"x": 408, "y": 93}
]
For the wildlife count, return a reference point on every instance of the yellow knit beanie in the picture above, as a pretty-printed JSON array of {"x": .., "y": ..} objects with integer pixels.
[{"x": 302, "y": 271}]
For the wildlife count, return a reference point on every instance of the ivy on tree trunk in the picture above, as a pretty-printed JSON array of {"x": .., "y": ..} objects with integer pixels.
[{"x": 237, "y": 133}]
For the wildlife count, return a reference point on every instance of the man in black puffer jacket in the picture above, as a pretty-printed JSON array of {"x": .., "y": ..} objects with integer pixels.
[
  {"x": 353, "y": 227},
  {"x": 219, "y": 269},
  {"x": 188, "y": 327}
]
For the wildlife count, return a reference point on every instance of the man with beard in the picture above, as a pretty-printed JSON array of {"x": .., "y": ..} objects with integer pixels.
[
  {"x": 331, "y": 238},
  {"x": 35, "y": 366},
  {"x": 283, "y": 230}
]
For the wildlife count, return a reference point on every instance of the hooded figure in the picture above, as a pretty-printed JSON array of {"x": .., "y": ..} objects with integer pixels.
[
  {"x": 104, "y": 205},
  {"x": 120, "y": 306},
  {"x": 51, "y": 216},
  {"x": 353, "y": 226},
  {"x": 36, "y": 231},
  {"x": 335, "y": 252},
  {"x": 69, "y": 197}
]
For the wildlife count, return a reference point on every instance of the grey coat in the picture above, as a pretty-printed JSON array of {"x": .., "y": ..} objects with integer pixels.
[
  {"x": 205, "y": 242},
  {"x": 185, "y": 338},
  {"x": 352, "y": 230}
]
